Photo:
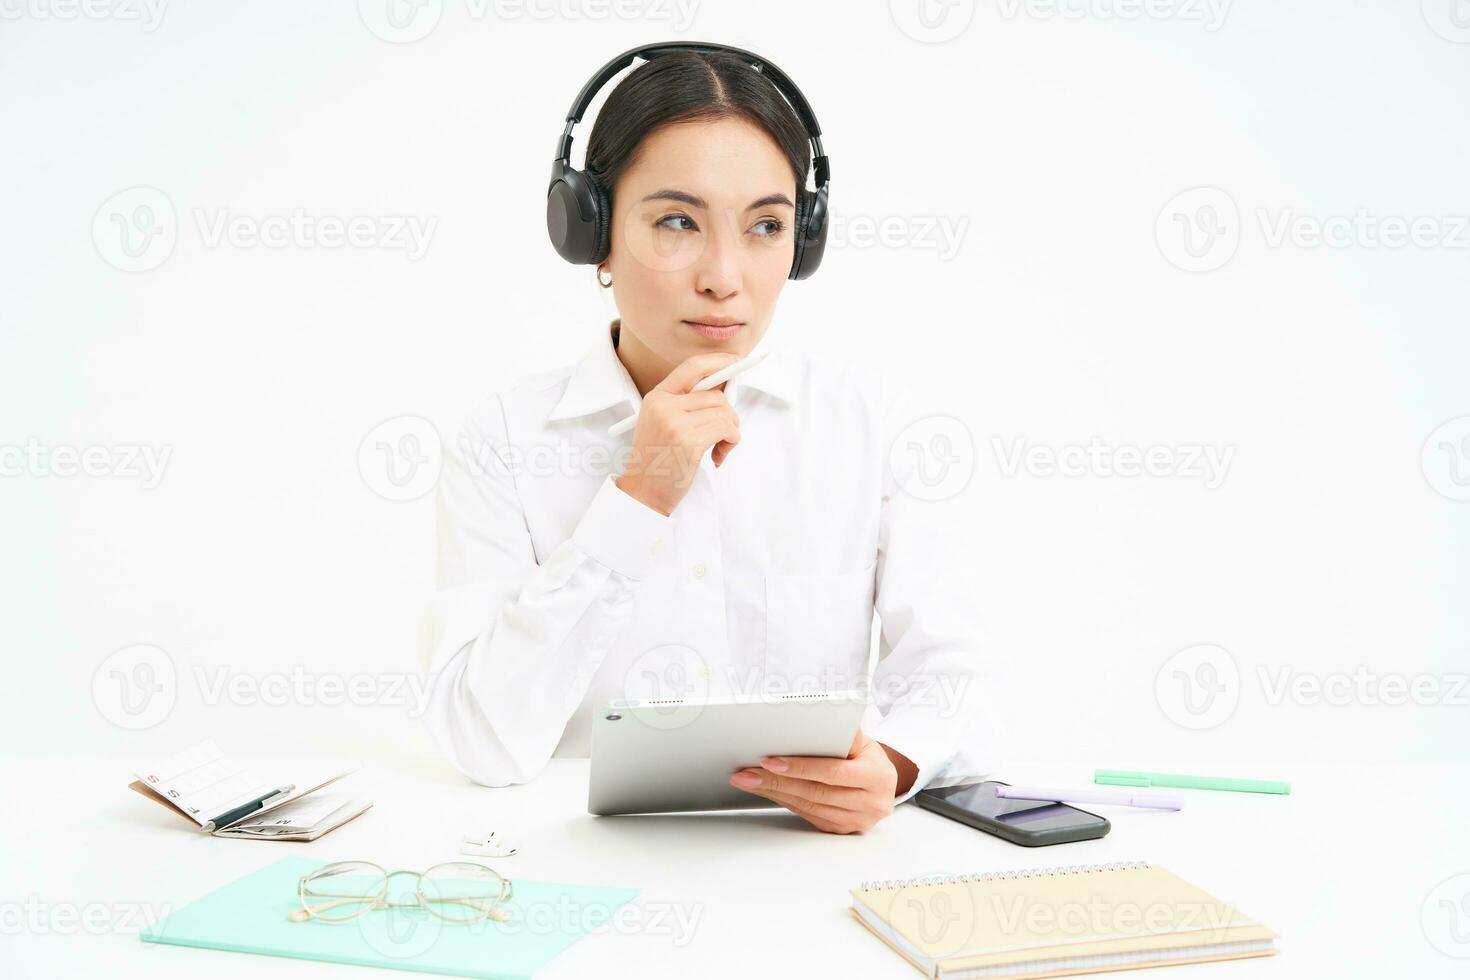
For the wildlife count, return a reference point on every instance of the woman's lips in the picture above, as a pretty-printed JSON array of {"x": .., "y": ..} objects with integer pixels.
[{"x": 715, "y": 331}]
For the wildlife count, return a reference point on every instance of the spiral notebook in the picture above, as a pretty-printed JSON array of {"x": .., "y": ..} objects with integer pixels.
[{"x": 1055, "y": 922}]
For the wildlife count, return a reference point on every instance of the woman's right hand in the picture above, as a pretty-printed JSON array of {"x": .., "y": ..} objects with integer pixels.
[{"x": 675, "y": 427}]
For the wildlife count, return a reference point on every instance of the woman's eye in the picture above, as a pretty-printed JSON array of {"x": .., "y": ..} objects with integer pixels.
[
  {"x": 774, "y": 227},
  {"x": 664, "y": 222},
  {"x": 765, "y": 228}
]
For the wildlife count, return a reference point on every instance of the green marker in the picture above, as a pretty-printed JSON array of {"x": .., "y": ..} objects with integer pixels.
[{"x": 1125, "y": 777}]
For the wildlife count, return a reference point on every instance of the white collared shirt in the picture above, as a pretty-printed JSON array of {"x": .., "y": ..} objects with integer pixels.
[{"x": 558, "y": 592}]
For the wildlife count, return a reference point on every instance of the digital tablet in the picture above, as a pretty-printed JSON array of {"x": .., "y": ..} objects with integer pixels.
[{"x": 674, "y": 755}]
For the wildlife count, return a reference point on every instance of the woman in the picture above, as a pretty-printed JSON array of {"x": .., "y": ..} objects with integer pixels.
[{"x": 741, "y": 538}]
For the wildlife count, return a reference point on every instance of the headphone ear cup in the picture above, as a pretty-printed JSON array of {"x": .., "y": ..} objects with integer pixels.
[
  {"x": 572, "y": 215},
  {"x": 798, "y": 231},
  {"x": 604, "y": 221}
]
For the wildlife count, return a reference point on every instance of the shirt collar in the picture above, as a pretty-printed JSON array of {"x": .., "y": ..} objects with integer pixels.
[{"x": 599, "y": 381}]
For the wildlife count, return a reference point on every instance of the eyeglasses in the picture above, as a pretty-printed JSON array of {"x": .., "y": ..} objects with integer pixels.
[{"x": 458, "y": 891}]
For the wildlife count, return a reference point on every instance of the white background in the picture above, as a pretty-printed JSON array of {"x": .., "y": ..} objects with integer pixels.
[{"x": 1033, "y": 279}]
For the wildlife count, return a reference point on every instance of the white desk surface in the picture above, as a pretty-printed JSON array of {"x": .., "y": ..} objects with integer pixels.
[{"x": 1341, "y": 869}]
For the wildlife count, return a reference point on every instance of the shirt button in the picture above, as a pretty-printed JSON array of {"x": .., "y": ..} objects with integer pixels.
[
  {"x": 657, "y": 546},
  {"x": 699, "y": 570}
]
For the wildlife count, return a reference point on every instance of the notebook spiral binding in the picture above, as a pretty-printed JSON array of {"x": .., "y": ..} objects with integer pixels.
[{"x": 1062, "y": 869}]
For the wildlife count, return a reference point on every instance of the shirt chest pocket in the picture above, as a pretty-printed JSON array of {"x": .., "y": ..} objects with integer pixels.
[{"x": 818, "y": 629}]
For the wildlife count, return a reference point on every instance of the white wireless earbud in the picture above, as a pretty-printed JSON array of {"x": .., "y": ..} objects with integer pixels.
[{"x": 486, "y": 845}]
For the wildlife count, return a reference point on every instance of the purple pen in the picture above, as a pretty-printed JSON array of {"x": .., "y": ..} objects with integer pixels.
[{"x": 1119, "y": 797}]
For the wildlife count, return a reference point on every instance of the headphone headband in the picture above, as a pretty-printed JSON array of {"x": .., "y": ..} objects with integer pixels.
[{"x": 648, "y": 52}]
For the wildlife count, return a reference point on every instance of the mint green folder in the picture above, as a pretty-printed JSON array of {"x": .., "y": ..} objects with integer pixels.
[{"x": 250, "y": 916}]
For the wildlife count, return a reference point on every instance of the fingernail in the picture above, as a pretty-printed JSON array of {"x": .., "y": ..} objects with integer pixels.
[
  {"x": 746, "y": 780},
  {"x": 775, "y": 765}
]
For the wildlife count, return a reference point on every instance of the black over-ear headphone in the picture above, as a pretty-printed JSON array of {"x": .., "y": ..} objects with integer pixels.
[{"x": 579, "y": 209}]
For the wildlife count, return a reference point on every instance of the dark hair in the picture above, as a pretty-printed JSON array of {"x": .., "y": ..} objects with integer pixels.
[{"x": 683, "y": 86}]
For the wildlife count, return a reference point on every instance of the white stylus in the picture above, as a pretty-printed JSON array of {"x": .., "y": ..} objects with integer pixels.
[{"x": 704, "y": 384}]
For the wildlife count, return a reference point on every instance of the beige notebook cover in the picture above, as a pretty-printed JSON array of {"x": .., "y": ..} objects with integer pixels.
[{"x": 1055, "y": 922}]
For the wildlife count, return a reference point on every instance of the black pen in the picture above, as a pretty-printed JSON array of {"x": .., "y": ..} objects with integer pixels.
[{"x": 244, "y": 810}]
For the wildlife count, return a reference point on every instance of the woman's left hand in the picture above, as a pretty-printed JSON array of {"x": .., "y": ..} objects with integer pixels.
[{"x": 839, "y": 796}]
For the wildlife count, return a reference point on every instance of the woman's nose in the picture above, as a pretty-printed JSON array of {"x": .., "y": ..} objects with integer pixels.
[{"x": 719, "y": 271}]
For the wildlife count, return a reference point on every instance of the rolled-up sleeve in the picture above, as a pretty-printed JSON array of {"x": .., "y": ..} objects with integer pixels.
[
  {"x": 511, "y": 645},
  {"x": 936, "y": 684}
]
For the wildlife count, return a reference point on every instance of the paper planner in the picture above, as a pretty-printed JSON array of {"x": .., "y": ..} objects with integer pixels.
[{"x": 201, "y": 783}]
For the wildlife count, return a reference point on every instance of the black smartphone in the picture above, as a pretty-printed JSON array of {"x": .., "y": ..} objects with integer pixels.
[{"x": 1030, "y": 823}]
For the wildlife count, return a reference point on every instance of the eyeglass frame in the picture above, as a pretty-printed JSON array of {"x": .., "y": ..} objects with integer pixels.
[{"x": 379, "y": 902}]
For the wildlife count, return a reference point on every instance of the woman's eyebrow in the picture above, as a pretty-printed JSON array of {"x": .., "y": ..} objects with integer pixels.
[
  {"x": 771, "y": 199},
  {"x": 694, "y": 201}
]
